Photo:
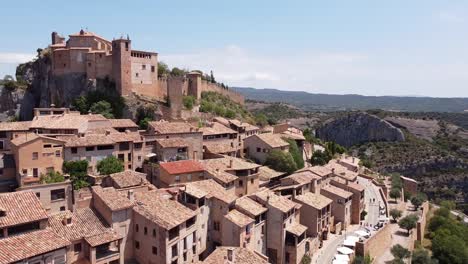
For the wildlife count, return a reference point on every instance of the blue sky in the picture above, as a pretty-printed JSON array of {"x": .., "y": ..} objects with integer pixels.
[{"x": 341, "y": 47}]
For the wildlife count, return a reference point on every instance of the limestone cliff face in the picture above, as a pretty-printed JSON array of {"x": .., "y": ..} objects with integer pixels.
[
  {"x": 358, "y": 128},
  {"x": 44, "y": 89}
]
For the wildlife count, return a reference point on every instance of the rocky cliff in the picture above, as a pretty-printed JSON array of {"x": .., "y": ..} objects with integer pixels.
[{"x": 358, "y": 128}]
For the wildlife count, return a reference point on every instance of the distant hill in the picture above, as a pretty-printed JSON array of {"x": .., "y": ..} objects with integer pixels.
[{"x": 331, "y": 102}]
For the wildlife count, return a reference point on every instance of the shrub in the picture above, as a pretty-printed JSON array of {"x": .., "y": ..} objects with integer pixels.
[
  {"x": 395, "y": 214},
  {"x": 320, "y": 158},
  {"x": 188, "y": 101},
  {"x": 408, "y": 222},
  {"x": 102, "y": 107},
  {"x": 295, "y": 153},
  {"x": 78, "y": 173},
  {"x": 52, "y": 177},
  {"x": 110, "y": 165},
  {"x": 281, "y": 161}
]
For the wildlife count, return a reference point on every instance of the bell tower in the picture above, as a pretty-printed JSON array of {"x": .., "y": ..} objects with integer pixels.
[{"x": 121, "y": 65}]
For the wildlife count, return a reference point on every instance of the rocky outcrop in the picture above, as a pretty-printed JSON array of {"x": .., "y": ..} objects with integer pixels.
[{"x": 358, "y": 128}]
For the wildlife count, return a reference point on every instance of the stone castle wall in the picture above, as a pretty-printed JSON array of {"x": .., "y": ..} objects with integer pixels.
[{"x": 234, "y": 96}]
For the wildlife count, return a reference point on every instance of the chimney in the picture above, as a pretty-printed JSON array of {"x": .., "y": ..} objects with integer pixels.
[
  {"x": 230, "y": 255},
  {"x": 107, "y": 132},
  {"x": 67, "y": 220},
  {"x": 333, "y": 170},
  {"x": 353, "y": 159},
  {"x": 130, "y": 195},
  {"x": 230, "y": 163}
]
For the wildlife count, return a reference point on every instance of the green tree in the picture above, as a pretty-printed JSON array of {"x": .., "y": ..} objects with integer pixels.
[
  {"x": 408, "y": 222},
  {"x": 395, "y": 193},
  {"x": 102, "y": 107},
  {"x": 320, "y": 158},
  {"x": 261, "y": 120},
  {"x": 110, "y": 165},
  {"x": 399, "y": 252},
  {"x": 362, "y": 260},
  {"x": 229, "y": 113},
  {"x": 177, "y": 72},
  {"x": 418, "y": 200},
  {"x": 78, "y": 173},
  {"x": 449, "y": 248},
  {"x": 306, "y": 260},
  {"x": 163, "y": 69},
  {"x": 448, "y": 204},
  {"x": 395, "y": 214},
  {"x": 295, "y": 153},
  {"x": 212, "y": 78},
  {"x": 52, "y": 177},
  {"x": 144, "y": 115},
  {"x": 81, "y": 104},
  {"x": 421, "y": 256},
  {"x": 334, "y": 148},
  {"x": 281, "y": 161}
]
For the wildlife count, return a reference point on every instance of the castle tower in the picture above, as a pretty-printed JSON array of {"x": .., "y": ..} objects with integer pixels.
[
  {"x": 121, "y": 65},
  {"x": 194, "y": 88}
]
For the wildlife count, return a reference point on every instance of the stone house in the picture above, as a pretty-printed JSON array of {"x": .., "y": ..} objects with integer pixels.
[
  {"x": 179, "y": 172},
  {"x": 219, "y": 139},
  {"x": 259, "y": 146},
  {"x": 315, "y": 214},
  {"x": 54, "y": 197},
  {"x": 341, "y": 207},
  {"x": 235, "y": 255},
  {"x": 357, "y": 200},
  {"x": 255, "y": 211}
]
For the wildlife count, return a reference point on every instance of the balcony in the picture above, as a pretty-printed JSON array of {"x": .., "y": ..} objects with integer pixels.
[{"x": 105, "y": 254}]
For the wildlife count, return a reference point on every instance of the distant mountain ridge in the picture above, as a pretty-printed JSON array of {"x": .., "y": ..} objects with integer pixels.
[{"x": 332, "y": 102}]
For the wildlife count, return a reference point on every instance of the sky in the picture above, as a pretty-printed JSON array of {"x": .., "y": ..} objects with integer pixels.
[{"x": 398, "y": 47}]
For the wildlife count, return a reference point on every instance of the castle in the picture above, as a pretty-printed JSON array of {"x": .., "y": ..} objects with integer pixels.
[{"x": 133, "y": 71}]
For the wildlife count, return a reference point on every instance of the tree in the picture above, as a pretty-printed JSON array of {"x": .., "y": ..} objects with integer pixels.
[
  {"x": 362, "y": 260},
  {"x": 261, "y": 120},
  {"x": 281, "y": 161},
  {"x": 421, "y": 256},
  {"x": 163, "y": 69},
  {"x": 334, "y": 148},
  {"x": 110, "y": 165},
  {"x": 78, "y": 173},
  {"x": 449, "y": 248},
  {"x": 295, "y": 153},
  {"x": 395, "y": 194},
  {"x": 188, "y": 101},
  {"x": 177, "y": 72},
  {"x": 448, "y": 204},
  {"x": 144, "y": 115},
  {"x": 395, "y": 214},
  {"x": 81, "y": 104},
  {"x": 306, "y": 259},
  {"x": 417, "y": 200},
  {"x": 212, "y": 78},
  {"x": 399, "y": 252},
  {"x": 408, "y": 222},
  {"x": 52, "y": 177},
  {"x": 102, "y": 107},
  {"x": 320, "y": 157}
]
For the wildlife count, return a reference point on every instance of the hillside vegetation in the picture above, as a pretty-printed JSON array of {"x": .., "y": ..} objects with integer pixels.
[{"x": 221, "y": 105}]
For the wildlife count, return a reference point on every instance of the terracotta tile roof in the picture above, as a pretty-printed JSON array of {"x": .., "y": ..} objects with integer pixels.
[
  {"x": 240, "y": 256},
  {"x": 65, "y": 121},
  {"x": 250, "y": 206},
  {"x": 218, "y": 147},
  {"x": 27, "y": 245},
  {"x": 87, "y": 140},
  {"x": 112, "y": 198},
  {"x": 279, "y": 202},
  {"x": 182, "y": 166},
  {"x": 20, "y": 208},
  {"x": 250, "y": 127},
  {"x": 302, "y": 177},
  {"x": 164, "y": 127},
  {"x": 321, "y": 171},
  {"x": 266, "y": 174},
  {"x": 238, "y": 123},
  {"x": 292, "y": 135},
  {"x": 296, "y": 229},
  {"x": 100, "y": 239},
  {"x": 121, "y": 123},
  {"x": 221, "y": 120},
  {"x": 315, "y": 200},
  {"x": 224, "y": 164},
  {"x": 163, "y": 211},
  {"x": 128, "y": 178},
  {"x": 216, "y": 128},
  {"x": 15, "y": 126},
  {"x": 337, "y": 191},
  {"x": 194, "y": 191},
  {"x": 172, "y": 142},
  {"x": 239, "y": 218},
  {"x": 85, "y": 222},
  {"x": 25, "y": 138},
  {"x": 272, "y": 140},
  {"x": 350, "y": 185},
  {"x": 215, "y": 190},
  {"x": 126, "y": 137},
  {"x": 222, "y": 176},
  {"x": 341, "y": 171}
]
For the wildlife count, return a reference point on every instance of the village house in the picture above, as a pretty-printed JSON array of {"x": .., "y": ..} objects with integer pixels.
[
  {"x": 220, "y": 202},
  {"x": 287, "y": 241},
  {"x": 179, "y": 172},
  {"x": 191, "y": 135},
  {"x": 357, "y": 203},
  {"x": 54, "y": 197},
  {"x": 350, "y": 162},
  {"x": 237, "y": 230},
  {"x": 171, "y": 149},
  {"x": 341, "y": 207},
  {"x": 323, "y": 172},
  {"x": 24, "y": 233},
  {"x": 268, "y": 177},
  {"x": 315, "y": 214},
  {"x": 297, "y": 184},
  {"x": 219, "y": 139},
  {"x": 235, "y": 255},
  {"x": 342, "y": 171},
  {"x": 11, "y": 130},
  {"x": 36, "y": 155},
  {"x": 260, "y": 145},
  {"x": 127, "y": 180},
  {"x": 243, "y": 129},
  {"x": 7, "y": 172},
  {"x": 256, "y": 211}
]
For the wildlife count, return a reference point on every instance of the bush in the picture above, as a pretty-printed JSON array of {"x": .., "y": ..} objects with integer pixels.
[
  {"x": 189, "y": 101},
  {"x": 110, "y": 165},
  {"x": 395, "y": 214},
  {"x": 52, "y": 177},
  {"x": 399, "y": 252},
  {"x": 144, "y": 115},
  {"x": 295, "y": 153},
  {"x": 320, "y": 158},
  {"x": 408, "y": 222},
  {"x": 102, "y": 107},
  {"x": 281, "y": 161},
  {"x": 106, "y": 92},
  {"x": 395, "y": 193}
]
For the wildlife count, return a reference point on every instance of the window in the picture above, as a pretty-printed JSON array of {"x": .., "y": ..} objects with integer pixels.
[
  {"x": 3, "y": 134},
  {"x": 57, "y": 153},
  {"x": 259, "y": 150},
  {"x": 89, "y": 64},
  {"x": 121, "y": 157},
  {"x": 35, "y": 172},
  {"x": 1, "y": 144},
  {"x": 177, "y": 178},
  {"x": 191, "y": 222},
  {"x": 251, "y": 181},
  {"x": 124, "y": 146},
  {"x": 35, "y": 155},
  {"x": 139, "y": 158},
  {"x": 90, "y": 148},
  {"x": 143, "y": 67},
  {"x": 189, "y": 177},
  {"x": 47, "y": 146},
  {"x": 57, "y": 194},
  {"x": 25, "y": 171},
  {"x": 105, "y": 147},
  {"x": 129, "y": 156},
  {"x": 136, "y": 74},
  {"x": 174, "y": 251},
  {"x": 154, "y": 232},
  {"x": 153, "y": 69},
  {"x": 129, "y": 166},
  {"x": 216, "y": 225},
  {"x": 38, "y": 195},
  {"x": 1, "y": 171},
  {"x": 145, "y": 230},
  {"x": 136, "y": 228},
  {"x": 74, "y": 150},
  {"x": 126, "y": 46},
  {"x": 77, "y": 247},
  {"x": 62, "y": 208},
  {"x": 241, "y": 183},
  {"x": 155, "y": 250},
  {"x": 137, "y": 244}
]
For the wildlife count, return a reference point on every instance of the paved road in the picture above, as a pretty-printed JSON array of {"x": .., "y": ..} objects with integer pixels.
[{"x": 372, "y": 201}]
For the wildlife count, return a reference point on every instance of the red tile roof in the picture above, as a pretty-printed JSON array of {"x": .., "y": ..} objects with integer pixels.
[
  {"x": 182, "y": 166},
  {"x": 20, "y": 208}
]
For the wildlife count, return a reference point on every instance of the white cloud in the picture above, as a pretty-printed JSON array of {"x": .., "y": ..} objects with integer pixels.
[
  {"x": 450, "y": 17},
  {"x": 12, "y": 58}
]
